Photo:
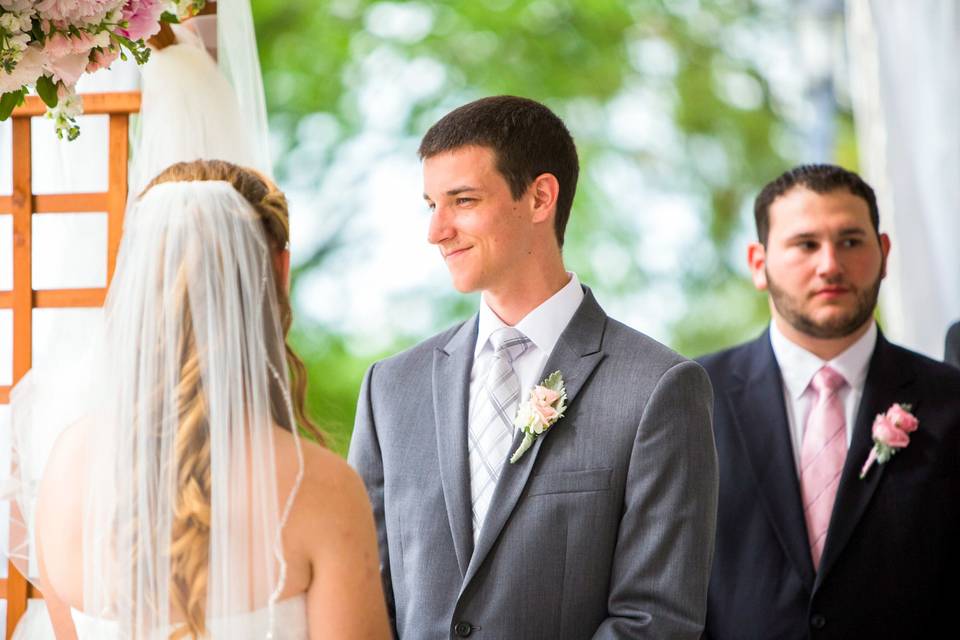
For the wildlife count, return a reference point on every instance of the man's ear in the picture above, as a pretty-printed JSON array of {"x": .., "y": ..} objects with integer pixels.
[
  {"x": 757, "y": 261},
  {"x": 885, "y": 251},
  {"x": 544, "y": 189}
]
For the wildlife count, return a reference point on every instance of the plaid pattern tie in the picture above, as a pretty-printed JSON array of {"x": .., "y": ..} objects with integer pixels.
[
  {"x": 822, "y": 453},
  {"x": 491, "y": 420}
]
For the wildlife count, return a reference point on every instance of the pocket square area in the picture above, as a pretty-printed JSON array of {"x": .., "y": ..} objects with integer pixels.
[{"x": 570, "y": 481}]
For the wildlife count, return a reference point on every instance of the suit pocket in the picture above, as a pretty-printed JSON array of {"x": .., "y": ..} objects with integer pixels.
[{"x": 570, "y": 482}]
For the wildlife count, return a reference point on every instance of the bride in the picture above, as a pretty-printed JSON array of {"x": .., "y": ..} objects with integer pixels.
[{"x": 185, "y": 504}]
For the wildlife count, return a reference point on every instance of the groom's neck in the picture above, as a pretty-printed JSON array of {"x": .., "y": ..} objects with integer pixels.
[{"x": 514, "y": 299}]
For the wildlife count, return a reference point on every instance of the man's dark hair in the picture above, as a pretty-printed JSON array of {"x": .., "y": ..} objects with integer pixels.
[
  {"x": 819, "y": 178},
  {"x": 527, "y": 140}
]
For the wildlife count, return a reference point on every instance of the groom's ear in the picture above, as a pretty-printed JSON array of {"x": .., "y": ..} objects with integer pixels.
[
  {"x": 544, "y": 190},
  {"x": 757, "y": 261}
]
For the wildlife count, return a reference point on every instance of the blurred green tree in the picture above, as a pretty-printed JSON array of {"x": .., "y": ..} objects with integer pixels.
[{"x": 666, "y": 100}]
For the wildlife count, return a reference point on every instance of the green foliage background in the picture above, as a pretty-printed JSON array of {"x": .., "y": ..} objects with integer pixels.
[{"x": 578, "y": 57}]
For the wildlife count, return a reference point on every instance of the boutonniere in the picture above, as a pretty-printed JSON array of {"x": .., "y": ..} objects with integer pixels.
[
  {"x": 544, "y": 406},
  {"x": 890, "y": 431}
]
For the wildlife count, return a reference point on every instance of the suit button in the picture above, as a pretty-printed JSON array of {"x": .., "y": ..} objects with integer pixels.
[
  {"x": 463, "y": 629},
  {"x": 817, "y": 621}
]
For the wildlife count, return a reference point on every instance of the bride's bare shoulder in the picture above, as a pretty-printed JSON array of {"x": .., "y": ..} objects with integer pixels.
[
  {"x": 330, "y": 488},
  {"x": 65, "y": 465}
]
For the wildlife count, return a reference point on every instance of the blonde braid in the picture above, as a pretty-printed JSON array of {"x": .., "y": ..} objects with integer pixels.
[
  {"x": 190, "y": 527},
  {"x": 271, "y": 207},
  {"x": 190, "y": 543}
]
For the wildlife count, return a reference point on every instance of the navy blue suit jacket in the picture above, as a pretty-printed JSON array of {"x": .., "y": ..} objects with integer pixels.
[{"x": 891, "y": 564}]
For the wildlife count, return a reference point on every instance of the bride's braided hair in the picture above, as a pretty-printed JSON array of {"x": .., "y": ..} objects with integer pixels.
[{"x": 190, "y": 545}]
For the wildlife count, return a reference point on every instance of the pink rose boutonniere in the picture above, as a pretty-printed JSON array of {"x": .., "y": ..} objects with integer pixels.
[
  {"x": 546, "y": 404},
  {"x": 890, "y": 431}
]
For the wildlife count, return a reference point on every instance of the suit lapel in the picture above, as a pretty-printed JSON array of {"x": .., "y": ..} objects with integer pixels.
[
  {"x": 757, "y": 404},
  {"x": 576, "y": 355},
  {"x": 451, "y": 397},
  {"x": 886, "y": 380}
]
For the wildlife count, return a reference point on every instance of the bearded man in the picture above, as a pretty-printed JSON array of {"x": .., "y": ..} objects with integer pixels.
[{"x": 818, "y": 536}]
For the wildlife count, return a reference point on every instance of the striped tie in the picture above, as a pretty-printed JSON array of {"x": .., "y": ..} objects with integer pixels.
[
  {"x": 491, "y": 420},
  {"x": 822, "y": 454}
]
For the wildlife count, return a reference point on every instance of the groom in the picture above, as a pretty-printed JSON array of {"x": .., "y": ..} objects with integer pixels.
[{"x": 604, "y": 527}]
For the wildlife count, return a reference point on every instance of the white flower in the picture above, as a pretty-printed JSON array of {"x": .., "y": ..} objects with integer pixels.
[
  {"x": 10, "y": 22},
  {"x": 28, "y": 69}
]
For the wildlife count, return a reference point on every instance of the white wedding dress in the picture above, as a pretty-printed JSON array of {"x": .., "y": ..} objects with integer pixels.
[
  {"x": 290, "y": 617},
  {"x": 290, "y": 623}
]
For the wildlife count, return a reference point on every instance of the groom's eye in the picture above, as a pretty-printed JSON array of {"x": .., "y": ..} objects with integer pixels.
[{"x": 465, "y": 201}]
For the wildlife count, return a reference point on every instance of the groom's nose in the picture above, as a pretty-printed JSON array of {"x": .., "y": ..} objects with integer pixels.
[{"x": 440, "y": 228}]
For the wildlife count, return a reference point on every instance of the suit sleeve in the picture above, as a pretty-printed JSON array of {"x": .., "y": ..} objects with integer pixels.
[
  {"x": 664, "y": 550},
  {"x": 365, "y": 456}
]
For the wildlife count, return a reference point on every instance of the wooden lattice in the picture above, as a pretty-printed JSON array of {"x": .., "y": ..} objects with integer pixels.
[{"x": 23, "y": 204}]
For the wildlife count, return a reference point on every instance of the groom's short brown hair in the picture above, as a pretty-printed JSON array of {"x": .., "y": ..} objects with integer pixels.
[{"x": 527, "y": 140}]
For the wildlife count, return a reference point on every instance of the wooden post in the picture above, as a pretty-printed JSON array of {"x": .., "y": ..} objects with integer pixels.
[
  {"x": 22, "y": 204},
  {"x": 22, "y": 298}
]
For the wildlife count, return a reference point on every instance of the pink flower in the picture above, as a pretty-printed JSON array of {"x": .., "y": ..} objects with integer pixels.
[
  {"x": 101, "y": 59},
  {"x": 904, "y": 420},
  {"x": 143, "y": 17},
  {"x": 890, "y": 435},
  {"x": 545, "y": 395},
  {"x": 886, "y": 432},
  {"x": 58, "y": 45},
  {"x": 76, "y": 12},
  {"x": 541, "y": 401},
  {"x": 68, "y": 69}
]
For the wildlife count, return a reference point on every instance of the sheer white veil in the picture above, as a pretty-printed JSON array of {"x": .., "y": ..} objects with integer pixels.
[
  {"x": 195, "y": 107},
  {"x": 187, "y": 395}
]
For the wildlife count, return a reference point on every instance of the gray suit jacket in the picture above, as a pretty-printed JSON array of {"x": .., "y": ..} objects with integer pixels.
[{"x": 604, "y": 529}]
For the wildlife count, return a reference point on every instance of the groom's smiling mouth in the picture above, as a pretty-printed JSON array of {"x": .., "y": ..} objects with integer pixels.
[{"x": 453, "y": 253}]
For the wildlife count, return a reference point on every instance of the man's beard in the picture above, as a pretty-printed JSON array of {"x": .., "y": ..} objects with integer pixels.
[{"x": 838, "y": 327}]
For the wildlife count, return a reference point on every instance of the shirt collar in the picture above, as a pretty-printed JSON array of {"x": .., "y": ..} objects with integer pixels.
[
  {"x": 797, "y": 365},
  {"x": 543, "y": 325}
]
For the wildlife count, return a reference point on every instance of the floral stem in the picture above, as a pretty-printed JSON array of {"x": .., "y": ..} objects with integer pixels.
[
  {"x": 869, "y": 463},
  {"x": 522, "y": 449}
]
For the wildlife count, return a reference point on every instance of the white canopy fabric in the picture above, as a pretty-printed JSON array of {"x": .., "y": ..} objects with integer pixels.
[{"x": 906, "y": 88}]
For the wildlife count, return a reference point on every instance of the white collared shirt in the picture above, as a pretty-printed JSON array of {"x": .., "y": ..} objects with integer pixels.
[
  {"x": 543, "y": 326},
  {"x": 797, "y": 367}
]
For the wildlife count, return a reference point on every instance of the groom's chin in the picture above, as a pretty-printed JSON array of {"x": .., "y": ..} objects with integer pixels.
[
  {"x": 464, "y": 283},
  {"x": 465, "y": 286}
]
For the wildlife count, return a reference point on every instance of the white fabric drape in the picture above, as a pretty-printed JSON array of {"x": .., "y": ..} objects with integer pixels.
[{"x": 905, "y": 89}]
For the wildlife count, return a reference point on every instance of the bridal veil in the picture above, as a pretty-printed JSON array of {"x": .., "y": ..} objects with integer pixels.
[{"x": 185, "y": 391}]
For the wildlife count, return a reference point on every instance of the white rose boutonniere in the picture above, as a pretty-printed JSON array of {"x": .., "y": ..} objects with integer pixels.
[{"x": 545, "y": 405}]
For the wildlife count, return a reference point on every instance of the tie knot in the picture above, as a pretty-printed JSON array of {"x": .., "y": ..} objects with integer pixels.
[
  {"x": 508, "y": 343},
  {"x": 826, "y": 381}
]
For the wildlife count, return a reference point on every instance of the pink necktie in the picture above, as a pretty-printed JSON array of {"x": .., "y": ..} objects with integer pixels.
[{"x": 822, "y": 454}]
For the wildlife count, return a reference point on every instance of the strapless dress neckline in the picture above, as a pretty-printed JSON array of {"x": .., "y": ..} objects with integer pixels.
[{"x": 290, "y": 623}]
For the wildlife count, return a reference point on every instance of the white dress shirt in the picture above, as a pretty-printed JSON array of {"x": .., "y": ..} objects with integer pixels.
[
  {"x": 797, "y": 366},
  {"x": 543, "y": 326}
]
